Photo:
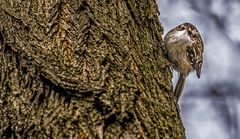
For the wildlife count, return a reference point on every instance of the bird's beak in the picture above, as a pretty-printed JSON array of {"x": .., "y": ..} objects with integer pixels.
[
  {"x": 198, "y": 73},
  {"x": 198, "y": 70}
]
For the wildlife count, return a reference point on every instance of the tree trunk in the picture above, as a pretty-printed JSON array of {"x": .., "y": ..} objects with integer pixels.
[{"x": 84, "y": 69}]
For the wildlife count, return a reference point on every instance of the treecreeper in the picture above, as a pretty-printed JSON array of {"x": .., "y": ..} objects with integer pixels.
[{"x": 185, "y": 48}]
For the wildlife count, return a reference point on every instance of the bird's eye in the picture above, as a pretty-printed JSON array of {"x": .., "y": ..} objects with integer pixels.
[{"x": 182, "y": 28}]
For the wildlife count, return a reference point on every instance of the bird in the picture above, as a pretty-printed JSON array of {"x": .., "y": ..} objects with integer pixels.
[{"x": 184, "y": 47}]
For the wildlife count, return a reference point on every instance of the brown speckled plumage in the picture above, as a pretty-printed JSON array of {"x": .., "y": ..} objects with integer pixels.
[{"x": 185, "y": 51}]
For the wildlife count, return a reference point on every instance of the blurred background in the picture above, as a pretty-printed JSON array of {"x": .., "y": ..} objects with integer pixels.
[{"x": 210, "y": 106}]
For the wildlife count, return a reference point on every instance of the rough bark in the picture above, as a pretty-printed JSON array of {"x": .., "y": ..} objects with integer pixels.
[{"x": 84, "y": 69}]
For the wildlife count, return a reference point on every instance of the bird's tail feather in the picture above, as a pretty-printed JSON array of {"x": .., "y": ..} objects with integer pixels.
[{"x": 179, "y": 87}]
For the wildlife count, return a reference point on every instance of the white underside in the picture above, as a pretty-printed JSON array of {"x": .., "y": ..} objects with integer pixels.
[{"x": 176, "y": 45}]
